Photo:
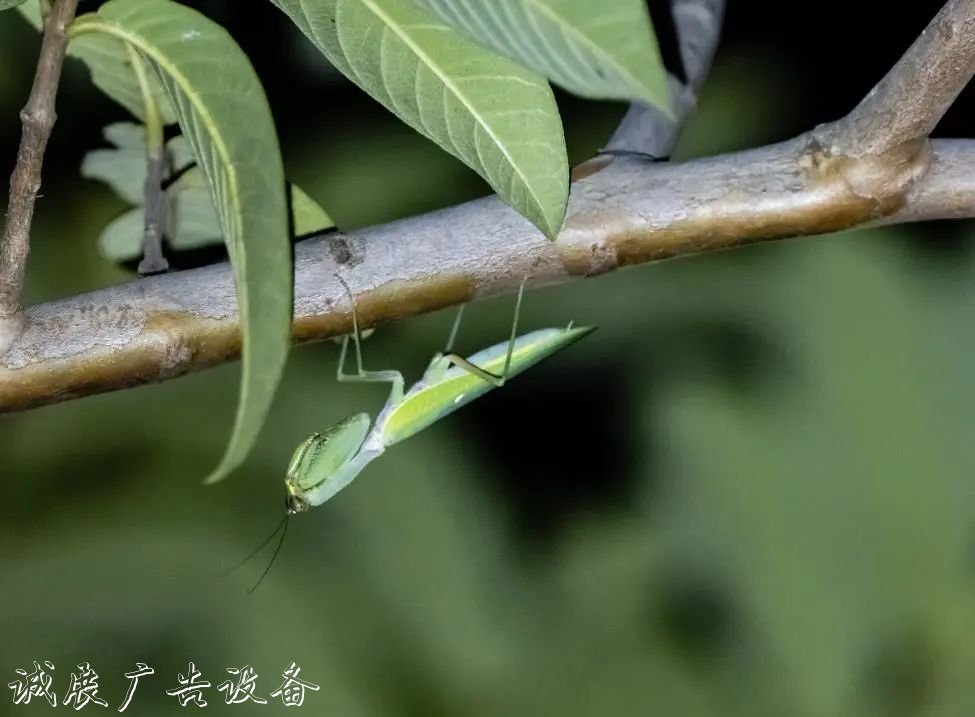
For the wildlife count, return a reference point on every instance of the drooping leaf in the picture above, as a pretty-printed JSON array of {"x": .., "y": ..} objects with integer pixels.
[
  {"x": 9, "y": 4},
  {"x": 225, "y": 117},
  {"x": 600, "y": 50},
  {"x": 111, "y": 72},
  {"x": 493, "y": 114}
]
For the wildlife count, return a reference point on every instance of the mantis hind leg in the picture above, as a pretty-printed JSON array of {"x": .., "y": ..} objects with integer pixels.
[
  {"x": 438, "y": 364},
  {"x": 395, "y": 378},
  {"x": 454, "y": 329},
  {"x": 494, "y": 379}
]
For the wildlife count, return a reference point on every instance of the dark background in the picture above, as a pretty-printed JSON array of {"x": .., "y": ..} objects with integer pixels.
[{"x": 749, "y": 493}]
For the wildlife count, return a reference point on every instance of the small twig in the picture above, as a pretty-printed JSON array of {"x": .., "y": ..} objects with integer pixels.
[
  {"x": 156, "y": 206},
  {"x": 38, "y": 118},
  {"x": 910, "y": 101},
  {"x": 647, "y": 131}
]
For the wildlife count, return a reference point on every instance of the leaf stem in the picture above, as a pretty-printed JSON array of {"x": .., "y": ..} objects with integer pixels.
[{"x": 156, "y": 206}]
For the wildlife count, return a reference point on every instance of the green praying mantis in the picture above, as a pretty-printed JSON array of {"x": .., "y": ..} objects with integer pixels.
[{"x": 327, "y": 462}]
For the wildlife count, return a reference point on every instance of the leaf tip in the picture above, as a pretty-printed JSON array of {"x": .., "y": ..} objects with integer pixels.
[
  {"x": 219, "y": 473},
  {"x": 232, "y": 458},
  {"x": 550, "y": 224}
]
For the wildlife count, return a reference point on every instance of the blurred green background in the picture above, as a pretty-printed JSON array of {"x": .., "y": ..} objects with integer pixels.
[{"x": 750, "y": 493}]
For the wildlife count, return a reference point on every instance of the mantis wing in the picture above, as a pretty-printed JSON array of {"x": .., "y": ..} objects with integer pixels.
[{"x": 430, "y": 400}]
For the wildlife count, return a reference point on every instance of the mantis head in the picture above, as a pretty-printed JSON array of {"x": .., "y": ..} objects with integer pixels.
[{"x": 321, "y": 458}]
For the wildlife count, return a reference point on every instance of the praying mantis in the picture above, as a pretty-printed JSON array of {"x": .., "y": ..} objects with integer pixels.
[{"x": 327, "y": 462}]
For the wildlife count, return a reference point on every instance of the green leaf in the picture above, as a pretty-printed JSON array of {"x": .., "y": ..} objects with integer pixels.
[
  {"x": 123, "y": 168},
  {"x": 600, "y": 50},
  {"x": 121, "y": 240},
  {"x": 111, "y": 72},
  {"x": 226, "y": 119},
  {"x": 126, "y": 135},
  {"x": 493, "y": 114},
  {"x": 9, "y": 4},
  {"x": 192, "y": 221},
  {"x": 191, "y": 224},
  {"x": 307, "y": 215},
  {"x": 31, "y": 12}
]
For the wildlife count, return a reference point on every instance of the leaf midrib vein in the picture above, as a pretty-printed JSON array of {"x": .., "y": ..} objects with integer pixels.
[{"x": 396, "y": 28}]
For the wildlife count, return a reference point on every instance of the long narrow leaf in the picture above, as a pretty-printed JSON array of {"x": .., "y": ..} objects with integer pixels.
[{"x": 224, "y": 115}]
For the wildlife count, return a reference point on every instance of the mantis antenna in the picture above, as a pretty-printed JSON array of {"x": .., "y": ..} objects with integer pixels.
[
  {"x": 282, "y": 525},
  {"x": 274, "y": 556}
]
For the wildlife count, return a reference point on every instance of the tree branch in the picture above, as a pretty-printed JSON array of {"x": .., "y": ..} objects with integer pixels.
[
  {"x": 628, "y": 213},
  {"x": 38, "y": 117},
  {"x": 648, "y": 131},
  {"x": 910, "y": 101}
]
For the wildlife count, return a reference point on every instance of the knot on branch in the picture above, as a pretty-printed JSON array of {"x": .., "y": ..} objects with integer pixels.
[{"x": 879, "y": 183}]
